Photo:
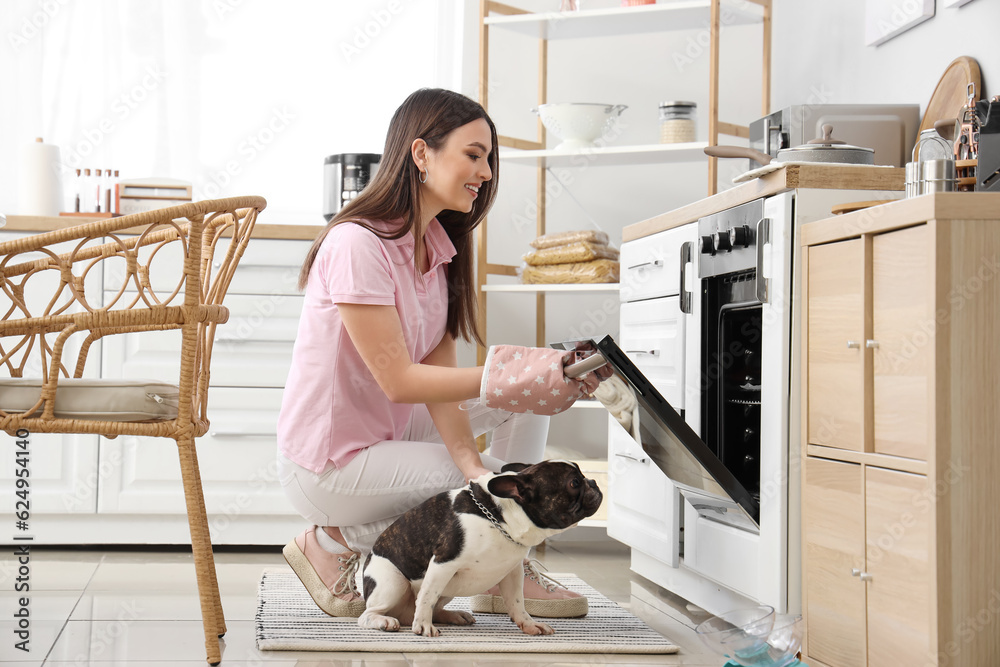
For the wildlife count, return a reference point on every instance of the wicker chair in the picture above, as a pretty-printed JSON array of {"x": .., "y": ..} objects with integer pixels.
[{"x": 197, "y": 246}]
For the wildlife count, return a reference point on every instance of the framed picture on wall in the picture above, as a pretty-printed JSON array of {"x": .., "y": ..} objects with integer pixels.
[{"x": 884, "y": 19}]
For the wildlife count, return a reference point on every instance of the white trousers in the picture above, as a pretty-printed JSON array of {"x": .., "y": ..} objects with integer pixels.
[{"x": 390, "y": 477}]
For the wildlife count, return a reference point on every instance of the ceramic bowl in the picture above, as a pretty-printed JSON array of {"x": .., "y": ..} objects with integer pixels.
[{"x": 578, "y": 124}]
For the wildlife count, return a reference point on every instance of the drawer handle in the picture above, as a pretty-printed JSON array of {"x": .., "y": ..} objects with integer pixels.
[
  {"x": 654, "y": 353},
  {"x": 654, "y": 263},
  {"x": 853, "y": 345},
  {"x": 237, "y": 339},
  {"x": 871, "y": 344},
  {"x": 242, "y": 434},
  {"x": 633, "y": 458},
  {"x": 866, "y": 577}
]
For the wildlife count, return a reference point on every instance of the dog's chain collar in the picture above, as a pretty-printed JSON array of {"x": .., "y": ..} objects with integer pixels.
[{"x": 489, "y": 515}]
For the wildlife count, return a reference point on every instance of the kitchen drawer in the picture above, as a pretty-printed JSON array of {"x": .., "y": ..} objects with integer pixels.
[
  {"x": 252, "y": 349},
  {"x": 268, "y": 266},
  {"x": 653, "y": 337},
  {"x": 643, "y": 505},
  {"x": 237, "y": 459},
  {"x": 651, "y": 266},
  {"x": 727, "y": 555}
]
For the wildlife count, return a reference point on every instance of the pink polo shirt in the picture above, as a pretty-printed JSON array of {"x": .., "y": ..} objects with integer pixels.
[{"x": 332, "y": 407}]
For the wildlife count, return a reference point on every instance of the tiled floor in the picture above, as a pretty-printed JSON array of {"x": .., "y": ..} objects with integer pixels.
[{"x": 116, "y": 608}]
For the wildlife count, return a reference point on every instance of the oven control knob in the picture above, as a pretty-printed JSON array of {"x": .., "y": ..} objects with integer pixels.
[
  {"x": 740, "y": 236},
  {"x": 722, "y": 241},
  {"x": 707, "y": 245}
]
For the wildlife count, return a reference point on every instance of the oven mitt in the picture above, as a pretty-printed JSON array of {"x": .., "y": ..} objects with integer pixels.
[{"x": 531, "y": 380}]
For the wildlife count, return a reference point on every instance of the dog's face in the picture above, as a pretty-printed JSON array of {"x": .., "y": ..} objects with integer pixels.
[{"x": 553, "y": 494}]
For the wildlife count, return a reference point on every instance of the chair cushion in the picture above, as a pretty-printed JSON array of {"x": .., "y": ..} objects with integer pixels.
[{"x": 95, "y": 399}]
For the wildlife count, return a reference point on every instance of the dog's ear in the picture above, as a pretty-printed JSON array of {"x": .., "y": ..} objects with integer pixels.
[
  {"x": 509, "y": 486},
  {"x": 513, "y": 467}
]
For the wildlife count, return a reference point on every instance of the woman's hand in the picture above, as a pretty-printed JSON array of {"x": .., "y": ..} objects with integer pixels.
[{"x": 476, "y": 473}]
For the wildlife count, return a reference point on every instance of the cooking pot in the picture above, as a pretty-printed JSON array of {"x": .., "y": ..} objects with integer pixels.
[{"x": 823, "y": 149}]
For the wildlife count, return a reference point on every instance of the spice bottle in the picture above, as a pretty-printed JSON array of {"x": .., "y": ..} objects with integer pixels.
[{"x": 677, "y": 122}]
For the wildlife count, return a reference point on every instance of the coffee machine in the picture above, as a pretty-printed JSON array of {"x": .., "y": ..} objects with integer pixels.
[{"x": 344, "y": 176}]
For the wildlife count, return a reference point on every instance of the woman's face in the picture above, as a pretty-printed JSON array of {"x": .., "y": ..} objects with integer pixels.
[{"x": 456, "y": 170}]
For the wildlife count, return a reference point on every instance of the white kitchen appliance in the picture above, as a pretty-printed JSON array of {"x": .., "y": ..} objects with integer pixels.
[{"x": 709, "y": 318}]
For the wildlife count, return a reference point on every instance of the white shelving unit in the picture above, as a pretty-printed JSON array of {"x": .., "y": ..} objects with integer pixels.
[
  {"x": 607, "y": 156},
  {"x": 598, "y": 287},
  {"x": 672, "y": 16}
]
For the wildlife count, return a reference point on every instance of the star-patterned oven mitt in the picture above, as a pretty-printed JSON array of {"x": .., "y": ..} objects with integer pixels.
[{"x": 531, "y": 380}]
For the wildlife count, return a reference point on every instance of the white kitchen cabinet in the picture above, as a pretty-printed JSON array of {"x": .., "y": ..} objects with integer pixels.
[
  {"x": 660, "y": 336},
  {"x": 89, "y": 489},
  {"x": 250, "y": 361},
  {"x": 64, "y": 468}
]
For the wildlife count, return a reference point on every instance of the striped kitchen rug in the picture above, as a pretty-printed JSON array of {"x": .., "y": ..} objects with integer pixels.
[{"x": 288, "y": 620}]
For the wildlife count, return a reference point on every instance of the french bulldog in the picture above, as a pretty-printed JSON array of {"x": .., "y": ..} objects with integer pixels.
[{"x": 465, "y": 541}]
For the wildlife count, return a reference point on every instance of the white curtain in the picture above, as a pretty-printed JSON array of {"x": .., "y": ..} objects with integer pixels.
[{"x": 234, "y": 96}]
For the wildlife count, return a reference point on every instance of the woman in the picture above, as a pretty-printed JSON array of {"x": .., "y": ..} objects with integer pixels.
[{"x": 370, "y": 422}]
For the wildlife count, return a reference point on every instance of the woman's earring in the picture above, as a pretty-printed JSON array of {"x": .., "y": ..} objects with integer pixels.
[{"x": 422, "y": 177}]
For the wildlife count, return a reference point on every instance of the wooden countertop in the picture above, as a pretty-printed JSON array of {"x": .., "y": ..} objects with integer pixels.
[
  {"x": 903, "y": 213},
  {"x": 836, "y": 177},
  {"x": 34, "y": 223}
]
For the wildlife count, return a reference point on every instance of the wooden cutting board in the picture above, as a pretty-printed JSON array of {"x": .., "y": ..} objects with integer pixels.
[{"x": 951, "y": 94}]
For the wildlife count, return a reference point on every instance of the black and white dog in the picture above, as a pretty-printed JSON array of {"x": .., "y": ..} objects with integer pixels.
[{"x": 465, "y": 541}]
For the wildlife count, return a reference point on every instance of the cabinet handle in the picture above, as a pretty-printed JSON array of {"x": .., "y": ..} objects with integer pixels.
[
  {"x": 866, "y": 577},
  {"x": 855, "y": 572},
  {"x": 853, "y": 344},
  {"x": 763, "y": 238},
  {"x": 654, "y": 263},
  {"x": 237, "y": 339},
  {"x": 241, "y": 434},
  {"x": 871, "y": 344},
  {"x": 654, "y": 353},
  {"x": 632, "y": 458},
  {"x": 687, "y": 255}
]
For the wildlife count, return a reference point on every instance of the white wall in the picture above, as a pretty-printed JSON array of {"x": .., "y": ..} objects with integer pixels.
[
  {"x": 820, "y": 47},
  {"x": 246, "y": 96}
]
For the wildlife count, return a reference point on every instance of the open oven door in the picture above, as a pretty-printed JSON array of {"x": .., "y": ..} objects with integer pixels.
[{"x": 669, "y": 441}]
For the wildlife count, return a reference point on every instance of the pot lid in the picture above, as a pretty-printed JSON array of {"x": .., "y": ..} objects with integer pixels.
[{"x": 828, "y": 142}]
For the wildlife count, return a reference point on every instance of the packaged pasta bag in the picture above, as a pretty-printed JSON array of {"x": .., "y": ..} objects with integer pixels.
[
  {"x": 579, "y": 251},
  {"x": 565, "y": 238},
  {"x": 594, "y": 271}
]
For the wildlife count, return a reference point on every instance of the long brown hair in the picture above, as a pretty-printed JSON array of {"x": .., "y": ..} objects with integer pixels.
[{"x": 393, "y": 194}]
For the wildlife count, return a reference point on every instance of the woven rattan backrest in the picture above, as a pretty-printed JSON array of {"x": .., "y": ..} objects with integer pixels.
[{"x": 163, "y": 269}]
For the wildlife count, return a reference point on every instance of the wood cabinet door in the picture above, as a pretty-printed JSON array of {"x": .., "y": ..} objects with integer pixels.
[
  {"x": 833, "y": 531},
  {"x": 903, "y": 335},
  {"x": 836, "y": 345},
  {"x": 899, "y": 510}
]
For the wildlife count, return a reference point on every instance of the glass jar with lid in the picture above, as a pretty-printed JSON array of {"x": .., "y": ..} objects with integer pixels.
[{"x": 677, "y": 122}]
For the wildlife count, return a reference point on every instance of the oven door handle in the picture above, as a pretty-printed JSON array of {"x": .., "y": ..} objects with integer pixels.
[
  {"x": 687, "y": 256},
  {"x": 763, "y": 238}
]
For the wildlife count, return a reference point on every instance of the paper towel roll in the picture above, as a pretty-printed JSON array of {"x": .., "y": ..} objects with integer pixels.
[{"x": 39, "y": 186}]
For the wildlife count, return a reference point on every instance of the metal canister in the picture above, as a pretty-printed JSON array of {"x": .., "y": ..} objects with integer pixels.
[
  {"x": 912, "y": 184},
  {"x": 937, "y": 176}
]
